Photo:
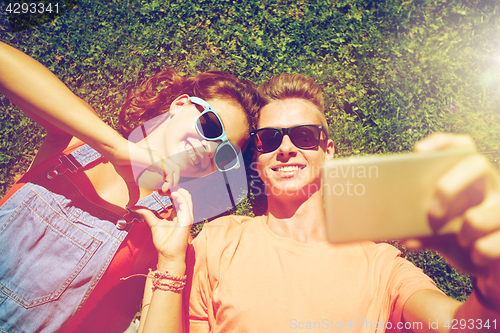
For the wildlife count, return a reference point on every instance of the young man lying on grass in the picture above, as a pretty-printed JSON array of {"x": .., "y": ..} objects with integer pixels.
[{"x": 277, "y": 272}]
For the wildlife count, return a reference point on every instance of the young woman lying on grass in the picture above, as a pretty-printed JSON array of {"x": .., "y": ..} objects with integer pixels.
[{"x": 66, "y": 236}]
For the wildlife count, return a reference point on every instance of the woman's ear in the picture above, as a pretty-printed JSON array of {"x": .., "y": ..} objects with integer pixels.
[{"x": 178, "y": 103}]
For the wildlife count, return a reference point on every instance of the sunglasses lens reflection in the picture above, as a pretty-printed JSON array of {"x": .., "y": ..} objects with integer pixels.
[
  {"x": 305, "y": 137},
  {"x": 209, "y": 125},
  {"x": 268, "y": 140},
  {"x": 226, "y": 157}
]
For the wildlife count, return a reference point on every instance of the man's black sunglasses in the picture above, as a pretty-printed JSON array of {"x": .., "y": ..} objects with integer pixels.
[{"x": 268, "y": 139}]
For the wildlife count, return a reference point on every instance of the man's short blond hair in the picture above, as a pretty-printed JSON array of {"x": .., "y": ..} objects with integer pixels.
[{"x": 285, "y": 86}]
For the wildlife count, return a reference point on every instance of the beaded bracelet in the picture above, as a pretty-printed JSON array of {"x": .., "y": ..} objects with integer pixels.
[
  {"x": 483, "y": 300},
  {"x": 166, "y": 282}
]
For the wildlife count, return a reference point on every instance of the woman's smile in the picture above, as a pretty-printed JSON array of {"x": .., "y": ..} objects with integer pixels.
[{"x": 195, "y": 161}]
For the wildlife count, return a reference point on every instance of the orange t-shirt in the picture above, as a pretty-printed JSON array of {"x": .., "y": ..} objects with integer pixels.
[{"x": 247, "y": 279}]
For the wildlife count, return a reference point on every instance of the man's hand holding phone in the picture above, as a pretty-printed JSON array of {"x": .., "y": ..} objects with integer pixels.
[
  {"x": 443, "y": 197},
  {"x": 468, "y": 196}
]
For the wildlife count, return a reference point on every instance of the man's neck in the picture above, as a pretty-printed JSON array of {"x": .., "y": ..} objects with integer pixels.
[{"x": 302, "y": 220}]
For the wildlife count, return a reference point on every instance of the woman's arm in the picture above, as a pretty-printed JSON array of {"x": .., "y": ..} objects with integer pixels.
[
  {"x": 42, "y": 96},
  {"x": 162, "y": 310}
]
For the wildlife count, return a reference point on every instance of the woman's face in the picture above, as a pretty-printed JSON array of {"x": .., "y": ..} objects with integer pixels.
[{"x": 183, "y": 144}]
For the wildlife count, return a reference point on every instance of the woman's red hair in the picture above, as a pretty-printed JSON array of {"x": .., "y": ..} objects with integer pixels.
[{"x": 154, "y": 95}]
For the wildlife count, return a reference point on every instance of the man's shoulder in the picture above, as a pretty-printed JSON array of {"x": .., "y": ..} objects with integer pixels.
[
  {"x": 373, "y": 252},
  {"x": 228, "y": 222},
  {"x": 220, "y": 238},
  {"x": 225, "y": 228},
  {"x": 231, "y": 220}
]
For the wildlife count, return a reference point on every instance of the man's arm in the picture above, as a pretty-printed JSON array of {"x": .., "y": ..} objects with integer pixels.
[
  {"x": 467, "y": 197},
  {"x": 440, "y": 313}
]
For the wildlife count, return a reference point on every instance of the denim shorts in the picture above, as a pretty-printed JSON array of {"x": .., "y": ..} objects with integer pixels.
[{"x": 54, "y": 247}]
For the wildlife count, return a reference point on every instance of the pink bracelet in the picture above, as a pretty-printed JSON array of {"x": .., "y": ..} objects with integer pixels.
[
  {"x": 166, "y": 282},
  {"x": 163, "y": 280}
]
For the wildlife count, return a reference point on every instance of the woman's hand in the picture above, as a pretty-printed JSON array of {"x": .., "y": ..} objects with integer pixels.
[
  {"x": 171, "y": 236},
  {"x": 141, "y": 167},
  {"x": 468, "y": 197},
  {"x": 164, "y": 311}
]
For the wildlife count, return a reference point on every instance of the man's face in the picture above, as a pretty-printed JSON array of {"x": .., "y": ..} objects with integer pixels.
[{"x": 289, "y": 170}]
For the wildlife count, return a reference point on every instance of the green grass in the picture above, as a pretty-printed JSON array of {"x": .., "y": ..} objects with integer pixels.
[{"x": 392, "y": 71}]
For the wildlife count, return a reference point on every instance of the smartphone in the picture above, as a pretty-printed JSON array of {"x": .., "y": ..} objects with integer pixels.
[{"x": 382, "y": 197}]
